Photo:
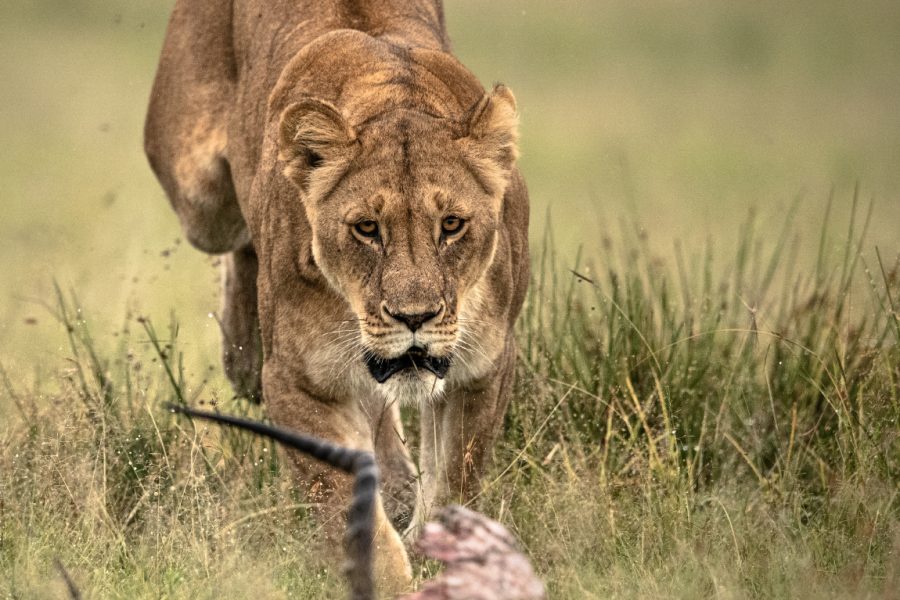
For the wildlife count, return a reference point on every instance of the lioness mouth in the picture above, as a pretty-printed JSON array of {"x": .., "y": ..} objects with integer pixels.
[{"x": 383, "y": 368}]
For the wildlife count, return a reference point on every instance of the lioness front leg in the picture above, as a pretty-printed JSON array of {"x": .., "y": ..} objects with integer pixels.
[
  {"x": 241, "y": 345},
  {"x": 458, "y": 433},
  {"x": 398, "y": 472},
  {"x": 344, "y": 424}
]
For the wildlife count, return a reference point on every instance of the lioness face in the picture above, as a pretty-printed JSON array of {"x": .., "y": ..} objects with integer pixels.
[
  {"x": 405, "y": 213},
  {"x": 404, "y": 241}
]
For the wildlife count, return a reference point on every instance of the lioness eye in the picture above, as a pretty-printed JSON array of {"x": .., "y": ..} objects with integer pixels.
[
  {"x": 367, "y": 229},
  {"x": 451, "y": 225}
]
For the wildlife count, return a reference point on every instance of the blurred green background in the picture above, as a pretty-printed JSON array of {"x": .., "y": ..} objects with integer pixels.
[{"x": 680, "y": 116}]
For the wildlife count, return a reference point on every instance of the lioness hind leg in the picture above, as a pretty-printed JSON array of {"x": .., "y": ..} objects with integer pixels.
[
  {"x": 185, "y": 135},
  {"x": 196, "y": 176},
  {"x": 241, "y": 343},
  {"x": 208, "y": 209}
]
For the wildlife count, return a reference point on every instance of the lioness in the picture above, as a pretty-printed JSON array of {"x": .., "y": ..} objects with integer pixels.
[{"x": 362, "y": 185}]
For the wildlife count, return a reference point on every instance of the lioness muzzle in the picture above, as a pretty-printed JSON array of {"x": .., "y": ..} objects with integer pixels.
[{"x": 383, "y": 368}]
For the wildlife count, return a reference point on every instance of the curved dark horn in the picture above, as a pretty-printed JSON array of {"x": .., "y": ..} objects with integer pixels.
[{"x": 359, "y": 463}]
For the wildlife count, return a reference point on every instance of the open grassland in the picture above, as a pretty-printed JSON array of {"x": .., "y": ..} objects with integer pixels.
[{"x": 694, "y": 419}]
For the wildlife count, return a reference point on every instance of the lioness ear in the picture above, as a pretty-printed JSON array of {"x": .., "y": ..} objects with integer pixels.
[
  {"x": 491, "y": 136},
  {"x": 315, "y": 142}
]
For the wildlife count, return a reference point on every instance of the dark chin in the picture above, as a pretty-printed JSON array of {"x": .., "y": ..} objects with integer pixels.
[{"x": 383, "y": 369}]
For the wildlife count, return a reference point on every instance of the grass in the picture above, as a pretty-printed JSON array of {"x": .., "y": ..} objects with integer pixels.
[
  {"x": 681, "y": 428},
  {"x": 704, "y": 435},
  {"x": 700, "y": 419}
]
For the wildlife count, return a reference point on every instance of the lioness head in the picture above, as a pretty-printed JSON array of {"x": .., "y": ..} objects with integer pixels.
[{"x": 404, "y": 209}]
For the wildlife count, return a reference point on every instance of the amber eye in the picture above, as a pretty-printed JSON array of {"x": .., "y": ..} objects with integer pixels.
[
  {"x": 451, "y": 225},
  {"x": 368, "y": 229}
]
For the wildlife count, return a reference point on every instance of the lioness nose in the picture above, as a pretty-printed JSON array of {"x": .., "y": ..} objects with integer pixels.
[{"x": 414, "y": 320}]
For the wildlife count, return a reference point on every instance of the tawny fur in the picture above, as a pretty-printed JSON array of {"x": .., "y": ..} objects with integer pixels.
[{"x": 276, "y": 125}]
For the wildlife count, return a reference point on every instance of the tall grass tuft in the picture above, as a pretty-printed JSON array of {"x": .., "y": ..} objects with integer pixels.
[
  {"x": 685, "y": 429},
  {"x": 682, "y": 427},
  {"x": 97, "y": 477}
]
